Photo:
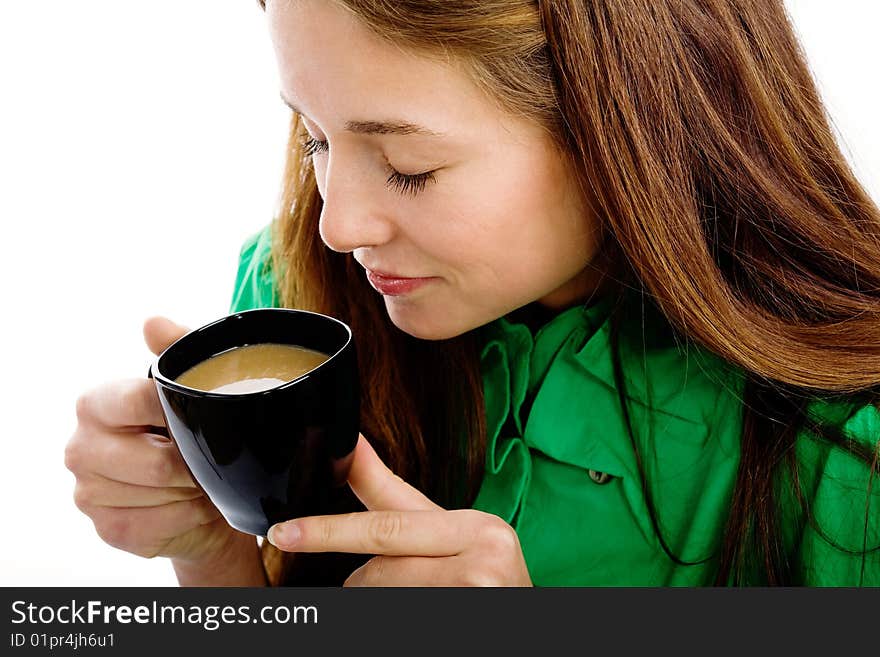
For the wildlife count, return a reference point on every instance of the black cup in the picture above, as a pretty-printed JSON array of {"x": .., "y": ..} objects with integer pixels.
[{"x": 268, "y": 456}]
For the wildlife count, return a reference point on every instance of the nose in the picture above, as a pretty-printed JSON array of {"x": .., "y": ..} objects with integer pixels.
[{"x": 352, "y": 216}]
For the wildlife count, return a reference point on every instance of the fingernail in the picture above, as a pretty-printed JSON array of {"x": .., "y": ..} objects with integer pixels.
[{"x": 283, "y": 534}]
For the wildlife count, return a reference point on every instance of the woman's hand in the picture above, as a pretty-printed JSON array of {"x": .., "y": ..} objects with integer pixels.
[
  {"x": 417, "y": 543},
  {"x": 132, "y": 482}
]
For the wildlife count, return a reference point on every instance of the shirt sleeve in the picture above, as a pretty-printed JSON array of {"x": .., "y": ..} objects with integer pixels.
[
  {"x": 841, "y": 546},
  {"x": 255, "y": 285}
]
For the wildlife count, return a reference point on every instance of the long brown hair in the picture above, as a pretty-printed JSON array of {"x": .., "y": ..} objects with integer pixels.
[{"x": 698, "y": 136}]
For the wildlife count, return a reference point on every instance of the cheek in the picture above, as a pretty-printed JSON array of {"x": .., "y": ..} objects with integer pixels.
[
  {"x": 481, "y": 234},
  {"x": 536, "y": 237},
  {"x": 442, "y": 229}
]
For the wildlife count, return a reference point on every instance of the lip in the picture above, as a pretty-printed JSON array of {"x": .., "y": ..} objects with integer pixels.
[{"x": 392, "y": 285}]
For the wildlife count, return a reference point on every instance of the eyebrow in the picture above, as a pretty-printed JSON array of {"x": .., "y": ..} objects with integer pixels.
[{"x": 392, "y": 127}]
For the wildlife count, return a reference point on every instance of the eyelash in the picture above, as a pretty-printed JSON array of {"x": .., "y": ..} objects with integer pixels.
[{"x": 402, "y": 182}]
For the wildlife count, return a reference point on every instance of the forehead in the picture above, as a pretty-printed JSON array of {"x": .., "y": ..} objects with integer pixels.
[{"x": 334, "y": 69}]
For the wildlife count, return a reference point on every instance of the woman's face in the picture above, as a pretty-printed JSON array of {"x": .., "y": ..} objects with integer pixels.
[{"x": 496, "y": 223}]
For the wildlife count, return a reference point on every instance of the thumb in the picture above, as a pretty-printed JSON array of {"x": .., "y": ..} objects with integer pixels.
[
  {"x": 160, "y": 332},
  {"x": 380, "y": 489}
]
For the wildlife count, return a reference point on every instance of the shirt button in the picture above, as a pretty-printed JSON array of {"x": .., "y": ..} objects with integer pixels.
[{"x": 600, "y": 477}]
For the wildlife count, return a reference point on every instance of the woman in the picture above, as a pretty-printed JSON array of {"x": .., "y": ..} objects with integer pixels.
[{"x": 616, "y": 293}]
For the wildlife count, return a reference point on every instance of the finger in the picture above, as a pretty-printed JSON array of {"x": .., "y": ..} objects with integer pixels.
[
  {"x": 137, "y": 458},
  {"x": 405, "y": 571},
  {"x": 394, "y": 533},
  {"x": 126, "y": 403},
  {"x": 161, "y": 332},
  {"x": 380, "y": 489},
  {"x": 95, "y": 490},
  {"x": 134, "y": 529}
]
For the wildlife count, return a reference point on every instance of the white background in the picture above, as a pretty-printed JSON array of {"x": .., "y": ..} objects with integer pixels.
[{"x": 140, "y": 144}]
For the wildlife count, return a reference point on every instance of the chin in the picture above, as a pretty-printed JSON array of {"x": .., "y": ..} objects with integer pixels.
[{"x": 421, "y": 325}]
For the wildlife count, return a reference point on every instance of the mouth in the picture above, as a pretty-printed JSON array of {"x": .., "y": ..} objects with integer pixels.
[{"x": 393, "y": 285}]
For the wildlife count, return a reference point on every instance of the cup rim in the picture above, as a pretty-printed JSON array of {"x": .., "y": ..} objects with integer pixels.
[{"x": 155, "y": 373}]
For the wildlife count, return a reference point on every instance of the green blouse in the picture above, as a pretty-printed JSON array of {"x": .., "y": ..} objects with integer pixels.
[{"x": 561, "y": 468}]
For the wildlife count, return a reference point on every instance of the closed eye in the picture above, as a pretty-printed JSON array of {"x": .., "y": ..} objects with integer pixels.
[{"x": 404, "y": 183}]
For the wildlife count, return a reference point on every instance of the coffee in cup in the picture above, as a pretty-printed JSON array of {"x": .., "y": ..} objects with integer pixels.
[{"x": 251, "y": 368}]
